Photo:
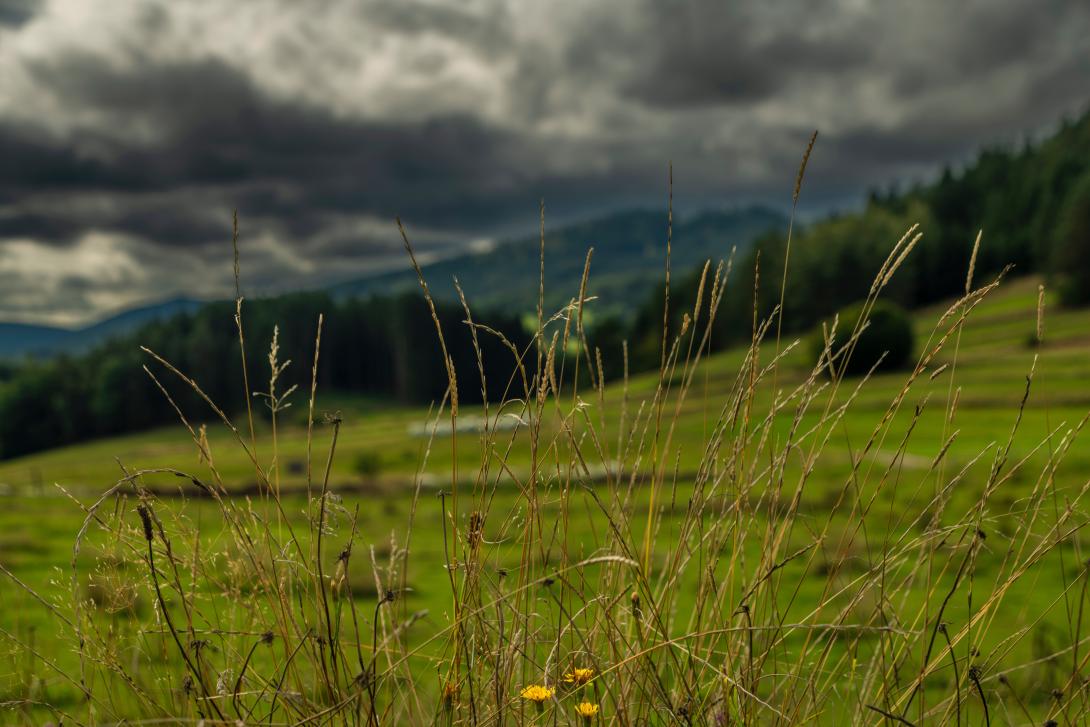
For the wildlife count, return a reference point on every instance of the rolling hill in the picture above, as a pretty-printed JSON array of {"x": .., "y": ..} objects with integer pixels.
[
  {"x": 629, "y": 252},
  {"x": 21, "y": 339},
  {"x": 629, "y": 249},
  {"x": 992, "y": 361}
]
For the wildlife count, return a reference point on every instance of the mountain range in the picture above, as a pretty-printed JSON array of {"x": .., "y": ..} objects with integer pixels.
[
  {"x": 24, "y": 339},
  {"x": 629, "y": 256}
]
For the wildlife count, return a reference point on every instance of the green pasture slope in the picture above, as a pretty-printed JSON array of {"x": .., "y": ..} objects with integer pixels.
[
  {"x": 380, "y": 452},
  {"x": 380, "y": 446}
]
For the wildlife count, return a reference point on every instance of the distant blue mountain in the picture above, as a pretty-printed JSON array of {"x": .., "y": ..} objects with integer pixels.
[
  {"x": 21, "y": 339},
  {"x": 629, "y": 254}
]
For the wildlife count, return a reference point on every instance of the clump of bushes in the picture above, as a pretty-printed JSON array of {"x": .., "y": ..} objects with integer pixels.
[
  {"x": 367, "y": 464},
  {"x": 887, "y": 340}
]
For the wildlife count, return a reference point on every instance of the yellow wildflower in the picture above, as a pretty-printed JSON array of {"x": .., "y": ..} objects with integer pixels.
[
  {"x": 537, "y": 693},
  {"x": 586, "y": 710},
  {"x": 577, "y": 677}
]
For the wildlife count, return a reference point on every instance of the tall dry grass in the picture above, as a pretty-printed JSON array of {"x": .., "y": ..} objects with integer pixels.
[{"x": 614, "y": 588}]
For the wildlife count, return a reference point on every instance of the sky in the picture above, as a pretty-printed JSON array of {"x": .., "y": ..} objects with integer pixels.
[{"x": 131, "y": 129}]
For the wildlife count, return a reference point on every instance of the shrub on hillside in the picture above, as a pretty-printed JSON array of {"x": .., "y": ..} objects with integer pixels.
[
  {"x": 367, "y": 464},
  {"x": 887, "y": 339}
]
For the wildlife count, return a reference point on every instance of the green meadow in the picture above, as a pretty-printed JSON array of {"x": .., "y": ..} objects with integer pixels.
[{"x": 849, "y": 520}]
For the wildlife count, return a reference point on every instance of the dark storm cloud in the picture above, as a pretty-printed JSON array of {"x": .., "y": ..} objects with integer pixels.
[
  {"x": 704, "y": 53},
  {"x": 130, "y": 131},
  {"x": 42, "y": 226},
  {"x": 17, "y": 12},
  {"x": 34, "y": 163},
  {"x": 213, "y": 129},
  {"x": 693, "y": 73},
  {"x": 991, "y": 38},
  {"x": 710, "y": 53}
]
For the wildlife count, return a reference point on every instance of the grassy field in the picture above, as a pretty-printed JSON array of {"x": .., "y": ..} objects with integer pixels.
[
  {"x": 712, "y": 557},
  {"x": 994, "y": 358}
]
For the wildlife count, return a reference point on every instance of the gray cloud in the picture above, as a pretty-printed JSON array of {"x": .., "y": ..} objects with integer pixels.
[
  {"x": 130, "y": 132},
  {"x": 709, "y": 54},
  {"x": 17, "y": 12}
]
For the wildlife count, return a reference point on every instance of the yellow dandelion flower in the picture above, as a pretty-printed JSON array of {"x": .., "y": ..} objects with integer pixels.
[
  {"x": 577, "y": 677},
  {"x": 537, "y": 693},
  {"x": 586, "y": 710}
]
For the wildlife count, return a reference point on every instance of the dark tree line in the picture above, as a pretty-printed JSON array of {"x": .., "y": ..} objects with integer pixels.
[{"x": 386, "y": 347}]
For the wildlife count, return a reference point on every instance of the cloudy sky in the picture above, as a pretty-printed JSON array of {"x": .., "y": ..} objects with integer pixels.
[{"x": 129, "y": 130}]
